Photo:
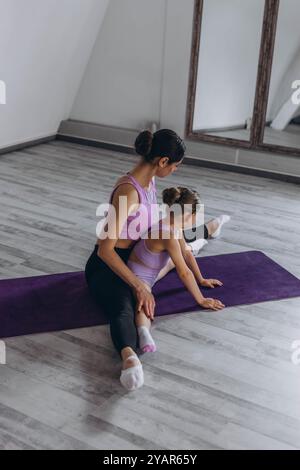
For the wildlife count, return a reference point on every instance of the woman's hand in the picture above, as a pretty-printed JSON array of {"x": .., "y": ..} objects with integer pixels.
[
  {"x": 210, "y": 283},
  {"x": 212, "y": 304},
  {"x": 145, "y": 300}
]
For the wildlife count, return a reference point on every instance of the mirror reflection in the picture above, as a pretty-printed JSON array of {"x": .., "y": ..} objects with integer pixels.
[
  {"x": 227, "y": 68},
  {"x": 283, "y": 113}
]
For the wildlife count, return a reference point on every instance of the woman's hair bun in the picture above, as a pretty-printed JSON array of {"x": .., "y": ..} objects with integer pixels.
[
  {"x": 143, "y": 143},
  {"x": 160, "y": 144},
  {"x": 171, "y": 196}
]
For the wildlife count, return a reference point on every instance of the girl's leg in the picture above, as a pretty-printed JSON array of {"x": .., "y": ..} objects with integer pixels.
[
  {"x": 211, "y": 229},
  {"x": 196, "y": 234},
  {"x": 146, "y": 341},
  {"x": 196, "y": 238},
  {"x": 143, "y": 324},
  {"x": 169, "y": 266},
  {"x": 141, "y": 319},
  {"x": 195, "y": 246},
  {"x": 214, "y": 226}
]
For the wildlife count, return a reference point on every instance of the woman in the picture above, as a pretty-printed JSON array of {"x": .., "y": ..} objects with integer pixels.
[{"x": 112, "y": 284}]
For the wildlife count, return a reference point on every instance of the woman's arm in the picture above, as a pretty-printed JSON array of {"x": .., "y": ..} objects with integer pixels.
[
  {"x": 108, "y": 254},
  {"x": 187, "y": 277}
]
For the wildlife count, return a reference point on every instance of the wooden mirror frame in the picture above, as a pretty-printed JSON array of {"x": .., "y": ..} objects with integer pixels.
[{"x": 264, "y": 72}]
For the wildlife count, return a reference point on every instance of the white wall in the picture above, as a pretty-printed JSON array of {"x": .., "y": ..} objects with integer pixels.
[
  {"x": 139, "y": 68},
  {"x": 177, "y": 64},
  {"x": 122, "y": 84},
  {"x": 137, "y": 71},
  {"x": 44, "y": 49}
]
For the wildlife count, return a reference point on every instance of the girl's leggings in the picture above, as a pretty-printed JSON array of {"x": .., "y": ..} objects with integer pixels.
[{"x": 115, "y": 298}]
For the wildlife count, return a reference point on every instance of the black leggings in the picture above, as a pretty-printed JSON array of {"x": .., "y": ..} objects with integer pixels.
[{"x": 115, "y": 297}]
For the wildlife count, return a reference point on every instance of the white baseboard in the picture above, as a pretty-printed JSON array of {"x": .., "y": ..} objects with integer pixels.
[{"x": 17, "y": 145}]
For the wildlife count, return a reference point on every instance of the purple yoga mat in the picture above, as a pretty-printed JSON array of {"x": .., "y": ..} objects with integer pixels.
[{"x": 62, "y": 301}]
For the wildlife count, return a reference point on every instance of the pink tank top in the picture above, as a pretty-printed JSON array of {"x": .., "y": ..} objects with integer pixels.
[
  {"x": 153, "y": 261},
  {"x": 140, "y": 221}
]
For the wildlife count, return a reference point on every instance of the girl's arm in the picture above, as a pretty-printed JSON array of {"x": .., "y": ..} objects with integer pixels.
[
  {"x": 187, "y": 277},
  {"x": 108, "y": 254},
  {"x": 193, "y": 265}
]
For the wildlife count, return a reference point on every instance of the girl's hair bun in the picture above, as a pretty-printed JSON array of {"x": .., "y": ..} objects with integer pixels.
[
  {"x": 171, "y": 196},
  {"x": 182, "y": 196},
  {"x": 143, "y": 143}
]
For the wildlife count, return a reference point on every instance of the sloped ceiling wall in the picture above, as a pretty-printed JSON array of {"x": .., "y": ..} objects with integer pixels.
[
  {"x": 122, "y": 83},
  {"x": 44, "y": 50},
  {"x": 138, "y": 71}
]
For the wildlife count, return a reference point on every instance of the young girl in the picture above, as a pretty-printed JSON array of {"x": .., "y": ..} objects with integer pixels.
[{"x": 165, "y": 248}]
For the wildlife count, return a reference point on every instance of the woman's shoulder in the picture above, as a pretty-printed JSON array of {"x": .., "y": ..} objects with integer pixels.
[
  {"x": 124, "y": 187},
  {"x": 123, "y": 182}
]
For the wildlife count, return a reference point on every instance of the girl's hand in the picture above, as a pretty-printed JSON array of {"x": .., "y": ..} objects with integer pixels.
[
  {"x": 145, "y": 300},
  {"x": 212, "y": 304},
  {"x": 210, "y": 283}
]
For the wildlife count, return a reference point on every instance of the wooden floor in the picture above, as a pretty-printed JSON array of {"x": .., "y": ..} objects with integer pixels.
[{"x": 219, "y": 380}]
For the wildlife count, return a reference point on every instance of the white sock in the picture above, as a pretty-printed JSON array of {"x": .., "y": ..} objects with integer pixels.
[
  {"x": 197, "y": 245},
  {"x": 147, "y": 343},
  {"x": 133, "y": 377},
  {"x": 222, "y": 219}
]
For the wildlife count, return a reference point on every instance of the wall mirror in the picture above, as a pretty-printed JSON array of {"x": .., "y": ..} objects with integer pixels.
[
  {"x": 227, "y": 67},
  {"x": 245, "y": 74},
  {"x": 282, "y": 126}
]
